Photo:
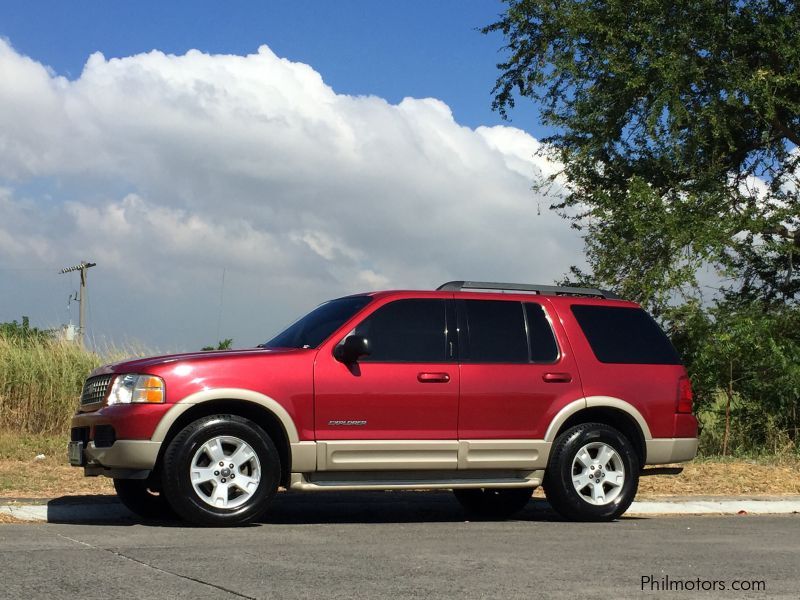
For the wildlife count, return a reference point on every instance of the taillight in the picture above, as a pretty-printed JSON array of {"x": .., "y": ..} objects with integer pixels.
[{"x": 685, "y": 396}]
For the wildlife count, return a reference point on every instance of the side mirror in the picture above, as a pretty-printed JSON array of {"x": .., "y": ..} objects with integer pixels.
[{"x": 353, "y": 348}]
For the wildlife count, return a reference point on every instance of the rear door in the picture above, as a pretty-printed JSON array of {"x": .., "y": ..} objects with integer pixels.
[{"x": 517, "y": 370}]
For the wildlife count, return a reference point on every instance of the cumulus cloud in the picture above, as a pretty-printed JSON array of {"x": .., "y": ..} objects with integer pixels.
[{"x": 165, "y": 170}]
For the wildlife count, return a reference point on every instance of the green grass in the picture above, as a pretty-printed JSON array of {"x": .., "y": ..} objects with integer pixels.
[
  {"x": 41, "y": 381},
  {"x": 26, "y": 446}
]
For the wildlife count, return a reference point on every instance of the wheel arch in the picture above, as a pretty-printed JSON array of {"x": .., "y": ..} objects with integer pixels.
[
  {"x": 262, "y": 410},
  {"x": 613, "y": 412}
]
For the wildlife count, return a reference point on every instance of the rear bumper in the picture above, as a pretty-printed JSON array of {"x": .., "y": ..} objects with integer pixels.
[{"x": 663, "y": 451}]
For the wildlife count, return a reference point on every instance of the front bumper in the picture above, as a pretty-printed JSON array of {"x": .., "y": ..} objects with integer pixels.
[
  {"x": 123, "y": 454},
  {"x": 116, "y": 439},
  {"x": 126, "y": 459}
]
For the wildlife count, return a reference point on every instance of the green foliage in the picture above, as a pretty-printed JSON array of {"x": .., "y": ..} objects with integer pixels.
[
  {"x": 744, "y": 360},
  {"x": 678, "y": 125},
  {"x": 221, "y": 345},
  {"x": 692, "y": 99},
  {"x": 23, "y": 332}
]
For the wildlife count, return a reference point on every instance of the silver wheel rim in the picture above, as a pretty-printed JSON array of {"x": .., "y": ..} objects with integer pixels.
[
  {"x": 225, "y": 472},
  {"x": 598, "y": 473}
]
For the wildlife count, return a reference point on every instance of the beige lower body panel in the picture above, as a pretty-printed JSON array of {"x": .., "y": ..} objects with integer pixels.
[
  {"x": 413, "y": 480},
  {"x": 124, "y": 454},
  {"x": 503, "y": 454},
  {"x": 405, "y": 455},
  {"x": 663, "y": 451}
]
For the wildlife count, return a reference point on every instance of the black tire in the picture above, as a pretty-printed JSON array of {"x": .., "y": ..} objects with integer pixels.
[
  {"x": 493, "y": 503},
  {"x": 143, "y": 498},
  {"x": 558, "y": 481},
  {"x": 188, "y": 502}
]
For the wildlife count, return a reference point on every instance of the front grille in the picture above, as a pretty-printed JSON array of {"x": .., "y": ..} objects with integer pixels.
[{"x": 95, "y": 389}]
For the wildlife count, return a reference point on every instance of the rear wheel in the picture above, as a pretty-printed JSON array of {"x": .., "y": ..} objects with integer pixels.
[
  {"x": 592, "y": 473},
  {"x": 142, "y": 497},
  {"x": 221, "y": 470},
  {"x": 493, "y": 503}
]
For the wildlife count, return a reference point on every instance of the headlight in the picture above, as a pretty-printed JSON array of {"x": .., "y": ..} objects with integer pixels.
[{"x": 133, "y": 388}]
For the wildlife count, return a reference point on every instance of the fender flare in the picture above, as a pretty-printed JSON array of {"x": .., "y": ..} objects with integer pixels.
[
  {"x": 180, "y": 407},
  {"x": 596, "y": 402}
]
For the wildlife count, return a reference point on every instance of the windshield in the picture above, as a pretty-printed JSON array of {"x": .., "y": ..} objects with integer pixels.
[{"x": 313, "y": 329}]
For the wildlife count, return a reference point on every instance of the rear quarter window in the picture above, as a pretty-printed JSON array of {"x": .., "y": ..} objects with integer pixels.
[{"x": 624, "y": 335}]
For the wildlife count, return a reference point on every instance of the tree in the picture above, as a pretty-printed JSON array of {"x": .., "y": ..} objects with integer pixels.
[
  {"x": 23, "y": 332},
  {"x": 677, "y": 124},
  {"x": 221, "y": 345},
  {"x": 745, "y": 368}
]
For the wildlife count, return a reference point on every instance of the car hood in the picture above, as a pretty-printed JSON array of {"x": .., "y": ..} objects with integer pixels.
[{"x": 137, "y": 365}]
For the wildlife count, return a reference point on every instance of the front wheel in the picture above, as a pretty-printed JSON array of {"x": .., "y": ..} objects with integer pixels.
[
  {"x": 221, "y": 470},
  {"x": 592, "y": 473},
  {"x": 493, "y": 503}
]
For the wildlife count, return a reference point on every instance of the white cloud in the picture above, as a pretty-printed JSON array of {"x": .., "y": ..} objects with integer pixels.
[{"x": 166, "y": 169}]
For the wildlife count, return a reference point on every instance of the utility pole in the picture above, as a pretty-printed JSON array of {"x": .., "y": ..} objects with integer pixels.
[{"x": 83, "y": 267}]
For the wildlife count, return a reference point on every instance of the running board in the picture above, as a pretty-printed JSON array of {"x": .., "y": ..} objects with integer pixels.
[{"x": 413, "y": 480}]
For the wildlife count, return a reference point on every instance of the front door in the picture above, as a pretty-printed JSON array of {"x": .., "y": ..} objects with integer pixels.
[{"x": 396, "y": 408}]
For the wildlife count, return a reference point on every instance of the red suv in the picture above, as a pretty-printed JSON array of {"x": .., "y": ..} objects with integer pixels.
[{"x": 488, "y": 389}]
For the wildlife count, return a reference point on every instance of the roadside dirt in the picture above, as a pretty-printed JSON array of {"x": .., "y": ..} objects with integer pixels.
[{"x": 726, "y": 478}]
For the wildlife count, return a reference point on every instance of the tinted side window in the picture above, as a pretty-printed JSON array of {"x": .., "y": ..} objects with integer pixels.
[
  {"x": 542, "y": 341},
  {"x": 624, "y": 335},
  {"x": 496, "y": 331},
  {"x": 406, "y": 331}
]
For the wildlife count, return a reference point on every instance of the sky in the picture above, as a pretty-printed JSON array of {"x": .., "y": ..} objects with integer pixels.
[{"x": 229, "y": 166}]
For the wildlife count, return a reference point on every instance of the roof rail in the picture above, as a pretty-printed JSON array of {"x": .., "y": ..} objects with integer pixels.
[{"x": 552, "y": 290}]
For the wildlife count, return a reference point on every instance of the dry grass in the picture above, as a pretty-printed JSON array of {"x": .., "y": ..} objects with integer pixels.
[
  {"x": 41, "y": 380},
  {"x": 727, "y": 477},
  {"x": 47, "y": 479},
  {"x": 6, "y": 519},
  {"x": 23, "y": 476}
]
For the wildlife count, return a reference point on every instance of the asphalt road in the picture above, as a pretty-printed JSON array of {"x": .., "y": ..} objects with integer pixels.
[{"x": 400, "y": 545}]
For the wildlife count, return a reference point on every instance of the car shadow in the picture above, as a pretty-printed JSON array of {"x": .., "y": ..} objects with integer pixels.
[
  {"x": 289, "y": 508},
  {"x": 383, "y": 507}
]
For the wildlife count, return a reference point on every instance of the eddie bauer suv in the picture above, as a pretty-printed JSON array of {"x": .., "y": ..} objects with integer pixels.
[{"x": 490, "y": 392}]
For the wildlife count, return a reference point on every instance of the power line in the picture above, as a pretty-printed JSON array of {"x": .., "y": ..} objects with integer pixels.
[{"x": 27, "y": 268}]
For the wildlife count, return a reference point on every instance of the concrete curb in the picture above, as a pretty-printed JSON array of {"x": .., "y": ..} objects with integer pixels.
[
  {"x": 68, "y": 513},
  {"x": 108, "y": 509},
  {"x": 715, "y": 507}
]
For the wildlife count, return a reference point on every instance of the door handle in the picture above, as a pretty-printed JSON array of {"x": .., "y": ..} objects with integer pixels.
[
  {"x": 557, "y": 377},
  {"x": 433, "y": 377}
]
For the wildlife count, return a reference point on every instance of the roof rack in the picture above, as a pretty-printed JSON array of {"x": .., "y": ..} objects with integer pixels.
[{"x": 552, "y": 290}]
